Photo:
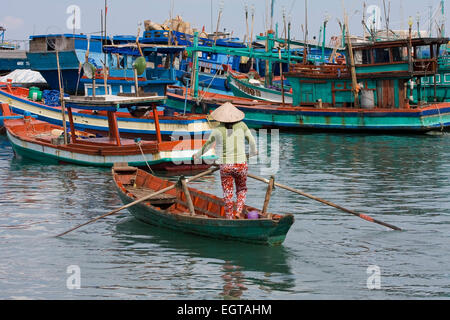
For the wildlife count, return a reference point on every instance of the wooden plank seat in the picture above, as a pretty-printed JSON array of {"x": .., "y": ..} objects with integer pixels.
[{"x": 162, "y": 199}]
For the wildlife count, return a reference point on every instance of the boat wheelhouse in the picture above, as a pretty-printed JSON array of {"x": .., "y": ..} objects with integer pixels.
[
  {"x": 385, "y": 72},
  {"x": 71, "y": 49},
  {"x": 159, "y": 73}
]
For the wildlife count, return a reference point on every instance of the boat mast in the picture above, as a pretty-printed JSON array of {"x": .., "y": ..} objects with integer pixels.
[
  {"x": 352, "y": 63},
  {"x": 218, "y": 21},
  {"x": 324, "y": 38},
  {"x": 271, "y": 14},
  {"x": 387, "y": 14},
  {"x": 443, "y": 19},
  {"x": 305, "y": 48},
  {"x": 246, "y": 24},
  {"x": 194, "y": 82},
  {"x": 61, "y": 97}
]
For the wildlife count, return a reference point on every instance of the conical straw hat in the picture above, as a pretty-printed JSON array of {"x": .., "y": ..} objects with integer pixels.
[{"x": 228, "y": 113}]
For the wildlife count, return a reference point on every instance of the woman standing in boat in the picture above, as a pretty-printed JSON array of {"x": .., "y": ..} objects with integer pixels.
[{"x": 231, "y": 133}]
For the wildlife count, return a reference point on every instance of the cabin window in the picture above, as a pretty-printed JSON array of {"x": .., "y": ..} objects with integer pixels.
[
  {"x": 399, "y": 54},
  {"x": 358, "y": 57},
  {"x": 438, "y": 79},
  {"x": 122, "y": 62},
  {"x": 422, "y": 52},
  {"x": 381, "y": 55},
  {"x": 447, "y": 77},
  {"x": 51, "y": 44},
  {"x": 366, "y": 59}
]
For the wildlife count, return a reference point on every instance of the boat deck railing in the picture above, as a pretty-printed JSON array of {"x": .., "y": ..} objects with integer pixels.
[
  {"x": 324, "y": 70},
  {"x": 444, "y": 62}
]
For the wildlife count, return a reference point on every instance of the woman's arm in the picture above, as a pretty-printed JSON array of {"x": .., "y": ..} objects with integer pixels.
[
  {"x": 208, "y": 144},
  {"x": 252, "y": 142}
]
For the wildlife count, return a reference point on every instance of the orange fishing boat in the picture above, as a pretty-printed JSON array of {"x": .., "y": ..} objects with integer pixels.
[{"x": 46, "y": 142}]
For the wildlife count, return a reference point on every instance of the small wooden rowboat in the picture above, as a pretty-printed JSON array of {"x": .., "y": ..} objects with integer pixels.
[{"x": 171, "y": 210}]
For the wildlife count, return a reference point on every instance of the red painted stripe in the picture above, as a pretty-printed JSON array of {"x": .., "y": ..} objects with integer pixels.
[{"x": 366, "y": 217}]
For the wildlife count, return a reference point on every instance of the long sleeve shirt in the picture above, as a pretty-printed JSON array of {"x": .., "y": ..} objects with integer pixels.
[{"x": 232, "y": 142}]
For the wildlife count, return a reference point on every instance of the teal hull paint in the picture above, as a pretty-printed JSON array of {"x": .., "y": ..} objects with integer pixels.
[
  {"x": 52, "y": 159},
  {"x": 264, "y": 232},
  {"x": 339, "y": 120},
  {"x": 264, "y": 94},
  {"x": 241, "y": 94}
]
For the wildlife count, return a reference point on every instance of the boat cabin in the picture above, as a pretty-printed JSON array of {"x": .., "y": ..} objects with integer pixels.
[
  {"x": 386, "y": 73},
  {"x": 71, "y": 50},
  {"x": 160, "y": 71}
]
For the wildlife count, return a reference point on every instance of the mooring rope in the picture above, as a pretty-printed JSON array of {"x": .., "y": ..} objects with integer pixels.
[{"x": 139, "y": 144}]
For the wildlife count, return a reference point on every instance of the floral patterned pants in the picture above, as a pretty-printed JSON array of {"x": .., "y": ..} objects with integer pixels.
[{"x": 237, "y": 173}]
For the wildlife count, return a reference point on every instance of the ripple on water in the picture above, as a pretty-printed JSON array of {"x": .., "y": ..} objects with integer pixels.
[{"x": 403, "y": 180}]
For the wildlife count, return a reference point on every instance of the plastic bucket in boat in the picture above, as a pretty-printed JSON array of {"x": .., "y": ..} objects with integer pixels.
[
  {"x": 367, "y": 99},
  {"x": 35, "y": 94}
]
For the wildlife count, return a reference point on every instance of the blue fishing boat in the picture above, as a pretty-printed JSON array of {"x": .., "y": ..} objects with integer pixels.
[
  {"x": 71, "y": 49},
  {"x": 11, "y": 58},
  {"x": 120, "y": 79},
  {"x": 212, "y": 67},
  {"x": 368, "y": 95}
]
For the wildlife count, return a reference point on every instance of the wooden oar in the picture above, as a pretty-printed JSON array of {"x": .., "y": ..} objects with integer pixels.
[
  {"x": 210, "y": 171},
  {"x": 360, "y": 215}
]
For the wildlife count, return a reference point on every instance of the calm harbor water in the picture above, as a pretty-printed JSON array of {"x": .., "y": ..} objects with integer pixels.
[{"x": 403, "y": 180}]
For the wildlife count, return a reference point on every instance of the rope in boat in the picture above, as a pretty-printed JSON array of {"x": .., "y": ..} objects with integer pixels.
[
  {"x": 139, "y": 144},
  {"x": 440, "y": 118}
]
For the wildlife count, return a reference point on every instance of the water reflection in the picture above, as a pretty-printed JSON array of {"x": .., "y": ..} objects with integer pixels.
[
  {"x": 234, "y": 279},
  {"x": 237, "y": 261}
]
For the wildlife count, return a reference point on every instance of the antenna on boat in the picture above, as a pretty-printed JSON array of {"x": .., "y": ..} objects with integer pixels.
[
  {"x": 246, "y": 23},
  {"x": 251, "y": 34},
  {"x": 271, "y": 14},
  {"x": 418, "y": 24},
  {"x": 387, "y": 14},
  {"x": 222, "y": 4},
  {"x": 103, "y": 34}
]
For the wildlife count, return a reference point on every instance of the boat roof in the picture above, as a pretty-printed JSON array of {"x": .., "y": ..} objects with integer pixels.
[
  {"x": 131, "y": 49},
  {"x": 400, "y": 43},
  {"x": 68, "y": 35},
  {"x": 111, "y": 102}
]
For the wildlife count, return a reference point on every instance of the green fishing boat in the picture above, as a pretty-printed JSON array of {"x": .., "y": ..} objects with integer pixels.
[
  {"x": 207, "y": 218},
  {"x": 371, "y": 93}
]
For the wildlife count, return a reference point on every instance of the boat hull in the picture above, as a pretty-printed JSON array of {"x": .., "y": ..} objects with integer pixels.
[
  {"x": 244, "y": 89},
  {"x": 263, "y": 232},
  {"x": 162, "y": 160}
]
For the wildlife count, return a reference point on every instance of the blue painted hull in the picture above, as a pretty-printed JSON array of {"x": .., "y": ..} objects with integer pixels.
[
  {"x": 46, "y": 64},
  {"x": 9, "y": 65}
]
